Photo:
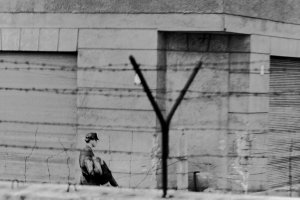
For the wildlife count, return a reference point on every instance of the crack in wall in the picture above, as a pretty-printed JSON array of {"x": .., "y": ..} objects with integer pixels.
[
  {"x": 65, "y": 150},
  {"x": 30, "y": 154},
  {"x": 5, "y": 159},
  {"x": 47, "y": 161}
]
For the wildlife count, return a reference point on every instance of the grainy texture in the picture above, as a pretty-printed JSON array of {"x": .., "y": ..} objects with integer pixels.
[
  {"x": 31, "y": 114},
  {"x": 55, "y": 192},
  {"x": 113, "y": 6},
  {"x": 277, "y": 10}
]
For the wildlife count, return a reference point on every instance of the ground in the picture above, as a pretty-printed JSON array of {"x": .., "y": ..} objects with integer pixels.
[{"x": 15, "y": 190}]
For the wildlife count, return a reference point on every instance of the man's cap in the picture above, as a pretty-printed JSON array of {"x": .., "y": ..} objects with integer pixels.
[{"x": 91, "y": 136}]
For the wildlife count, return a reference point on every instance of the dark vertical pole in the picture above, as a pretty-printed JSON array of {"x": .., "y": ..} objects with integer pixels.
[
  {"x": 165, "y": 155},
  {"x": 165, "y": 124}
]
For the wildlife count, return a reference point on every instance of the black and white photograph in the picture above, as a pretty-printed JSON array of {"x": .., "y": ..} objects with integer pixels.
[{"x": 150, "y": 99}]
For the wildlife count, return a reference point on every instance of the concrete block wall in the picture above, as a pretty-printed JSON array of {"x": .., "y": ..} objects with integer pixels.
[
  {"x": 39, "y": 39},
  {"x": 286, "y": 11},
  {"x": 248, "y": 113},
  {"x": 202, "y": 118},
  {"x": 126, "y": 123},
  {"x": 106, "y": 39},
  {"x": 279, "y": 10},
  {"x": 240, "y": 120},
  {"x": 38, "y": 45},
  {"x": 104, "y": 111},
  {"x": 37, "y": 119}
]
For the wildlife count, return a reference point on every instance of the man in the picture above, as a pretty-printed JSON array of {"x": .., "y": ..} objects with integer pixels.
[{"x": 94, "y": 170}]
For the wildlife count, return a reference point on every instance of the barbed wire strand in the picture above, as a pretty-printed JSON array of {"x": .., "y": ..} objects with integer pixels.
[
  {"x": 296, "y": 154},
  {"x": 97, "y": 91},
  {"x": 126, "y": 67}
]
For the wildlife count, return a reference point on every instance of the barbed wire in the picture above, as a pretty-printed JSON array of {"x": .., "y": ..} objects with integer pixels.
[
  {"x": 104, "y": 92},
  {"x": 150, "y": 172},
  {"x": 151, "y": 129},
  {"x": 193, "y": 159},
  {"x": 296, "y": 153},
  {"x": 35, "y": 147},
  {"x": 127, "y": 67},
  {"x": 162, "y": 94},
  {"x": 16, "y": 62}
]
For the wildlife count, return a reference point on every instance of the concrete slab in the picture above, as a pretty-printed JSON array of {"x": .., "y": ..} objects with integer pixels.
[
  {"x": 29, "y": 39},
  {"x": 118, "y": 38},
  {"x": 10, "y": 39},
  {"x": 48, "y": 40},
  {"x": 68, "y": 39}
]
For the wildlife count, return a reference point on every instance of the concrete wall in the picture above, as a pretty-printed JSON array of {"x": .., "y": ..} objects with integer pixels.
[
  {"x": 37, "y": 119},
  {"x": 225, "y": 132},
  {"x": 275, "y": 10},
  {"x": 248, "y": 118},
  {"x": 218, "y": 124},
  {"x": 203, "y": 120},
  {"x": 125, "y": 124},
  {"x": 103, "y": 35},
  {"x": 278, "y": 10},
  {"x": 102, "y": 6}
]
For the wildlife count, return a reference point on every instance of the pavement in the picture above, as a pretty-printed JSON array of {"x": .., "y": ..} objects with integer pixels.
[{"x": 21, "y": 191}]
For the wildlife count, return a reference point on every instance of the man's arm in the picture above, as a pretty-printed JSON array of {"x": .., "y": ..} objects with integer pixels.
[
  {"x": 97, "y": 163},
  {"x": 89, "y": 166}
]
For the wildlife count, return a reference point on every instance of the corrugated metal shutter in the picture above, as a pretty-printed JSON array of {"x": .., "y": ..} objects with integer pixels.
[
  {"x": 284, "y": 140},
  {"x": 38, "y": 117}
]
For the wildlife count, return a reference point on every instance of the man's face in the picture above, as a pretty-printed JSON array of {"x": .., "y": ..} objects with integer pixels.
[{"x": 93, "y": 143}]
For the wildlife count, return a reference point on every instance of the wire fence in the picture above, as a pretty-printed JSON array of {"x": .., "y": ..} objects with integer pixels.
[{"x": 33, "y": 159}]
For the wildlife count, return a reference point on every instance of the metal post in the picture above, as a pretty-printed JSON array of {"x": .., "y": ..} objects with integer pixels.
[
  {"x": 165, "y": 155},
  {"x": 165, "y": 124}
]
